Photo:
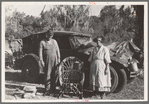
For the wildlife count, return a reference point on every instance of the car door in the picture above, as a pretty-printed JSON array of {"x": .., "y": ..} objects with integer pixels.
[{"x": 64, "y": 45}]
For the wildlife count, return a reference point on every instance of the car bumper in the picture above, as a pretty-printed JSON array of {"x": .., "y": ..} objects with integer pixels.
[
  {"x": 134, "y": 74},
  {"x": 134, "y": 70}
]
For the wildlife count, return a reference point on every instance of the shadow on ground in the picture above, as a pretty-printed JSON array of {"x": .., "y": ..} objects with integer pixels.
[
  {"x": 14, "y": 82},
  {"x": 16, "y": 76},
  {"x": 19, "y": 87}
]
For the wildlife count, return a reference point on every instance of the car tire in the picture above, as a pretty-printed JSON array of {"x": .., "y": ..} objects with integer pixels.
[
  {"x": 114, "y": 79},
  {"x": 122, "y": 80},
  {"x": 30, "y": 70}
]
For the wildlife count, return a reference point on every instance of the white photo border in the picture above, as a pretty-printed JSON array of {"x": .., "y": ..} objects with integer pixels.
[{"x": 75, "y": 3}]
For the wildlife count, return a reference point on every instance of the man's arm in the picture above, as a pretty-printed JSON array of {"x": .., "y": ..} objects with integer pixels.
[
  {"x": 57, "y": 51},
  {"x": 107, "y": 60},
  {"x": 40, "y": 53}
]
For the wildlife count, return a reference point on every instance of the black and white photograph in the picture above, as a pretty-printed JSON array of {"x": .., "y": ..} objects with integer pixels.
[{"x": 74, "y": 51}]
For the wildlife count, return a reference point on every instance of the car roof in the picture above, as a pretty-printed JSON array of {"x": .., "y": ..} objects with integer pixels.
[
  {"x": 71, "y": 33},
  {"x": 63, "y": 33}
]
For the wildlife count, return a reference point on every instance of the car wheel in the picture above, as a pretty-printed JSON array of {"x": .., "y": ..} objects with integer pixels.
[
  {"x": 114, "y": 79},
  {"x": 30, "y": 71},
  {"x": 122, "y": 80}
]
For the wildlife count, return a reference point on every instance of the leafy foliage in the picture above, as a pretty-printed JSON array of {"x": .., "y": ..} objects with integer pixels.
[
  {"x": 115, "y": 24},
  {"x": 67, "y": 17}
]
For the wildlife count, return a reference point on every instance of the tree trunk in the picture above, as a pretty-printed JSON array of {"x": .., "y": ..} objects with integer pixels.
[{"x": 139, "y": 40}]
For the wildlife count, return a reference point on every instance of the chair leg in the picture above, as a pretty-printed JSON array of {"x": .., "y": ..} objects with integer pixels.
[
  {"x": 61, "y": 94},
  {"x": 81, "y": 90},
  {"x": 81, "y": 95},
  {"x": 71, "y": 96}
]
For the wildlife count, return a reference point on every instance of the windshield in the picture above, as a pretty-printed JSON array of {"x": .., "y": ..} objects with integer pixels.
[{"x": 77, "y": 41}]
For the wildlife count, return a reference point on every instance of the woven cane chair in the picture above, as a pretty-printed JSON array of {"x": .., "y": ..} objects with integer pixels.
[{"x": 71, "y": 77}]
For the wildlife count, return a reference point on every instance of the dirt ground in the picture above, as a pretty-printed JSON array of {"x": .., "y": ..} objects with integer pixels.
[{"x": 14, "y": 86}]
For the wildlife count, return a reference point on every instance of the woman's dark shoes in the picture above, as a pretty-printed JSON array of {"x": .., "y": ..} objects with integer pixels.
[
  {"x": 96, "y": 94},
  {"x": 103, "y": 96}
]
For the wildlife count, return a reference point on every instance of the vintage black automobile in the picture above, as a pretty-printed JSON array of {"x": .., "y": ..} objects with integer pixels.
[{"x": 124, "y": 67}]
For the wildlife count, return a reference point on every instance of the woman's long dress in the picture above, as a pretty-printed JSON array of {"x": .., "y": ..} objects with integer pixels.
[
  {"x": 49, "y": 53},
  {"x": 98, "y": 80}
]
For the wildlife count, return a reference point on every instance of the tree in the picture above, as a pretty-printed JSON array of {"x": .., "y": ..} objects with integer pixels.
[
  {"x": 96, "y": 24},
  {"x": 49, "y": 19},
  {"x": 118, "y": 22},
  {"x": 67, "y": 17},
  {"x": 12, "y": 24},
  {"x": 139, "y": 25}
]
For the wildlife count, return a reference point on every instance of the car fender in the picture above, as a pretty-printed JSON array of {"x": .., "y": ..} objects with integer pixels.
[
  {"x": 124, "y": 63},
  {"x": 33, "y": 57}
]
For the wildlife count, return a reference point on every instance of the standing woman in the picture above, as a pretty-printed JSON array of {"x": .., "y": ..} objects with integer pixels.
[
  {"x": 100, "y": 79},
  {"x": 49, "y": 55}
]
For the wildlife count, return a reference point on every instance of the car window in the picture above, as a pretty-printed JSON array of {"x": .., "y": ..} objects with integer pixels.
[
  {"x": 77, "y": 41},
  {"x": 63, "y": 42},
  {"x": 82, "y": 39}
]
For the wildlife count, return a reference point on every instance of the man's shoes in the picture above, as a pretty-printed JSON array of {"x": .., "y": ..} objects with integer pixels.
[
  {"x": 88, "y": 89},
  {"x": 47, "y": 93}
]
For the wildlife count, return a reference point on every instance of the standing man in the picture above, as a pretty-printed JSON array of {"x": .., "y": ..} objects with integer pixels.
[{"x": 49, "y": 55}]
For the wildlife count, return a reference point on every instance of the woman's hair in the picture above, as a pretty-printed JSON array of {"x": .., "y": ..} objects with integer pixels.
[{"x": 95, "y": 39}]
